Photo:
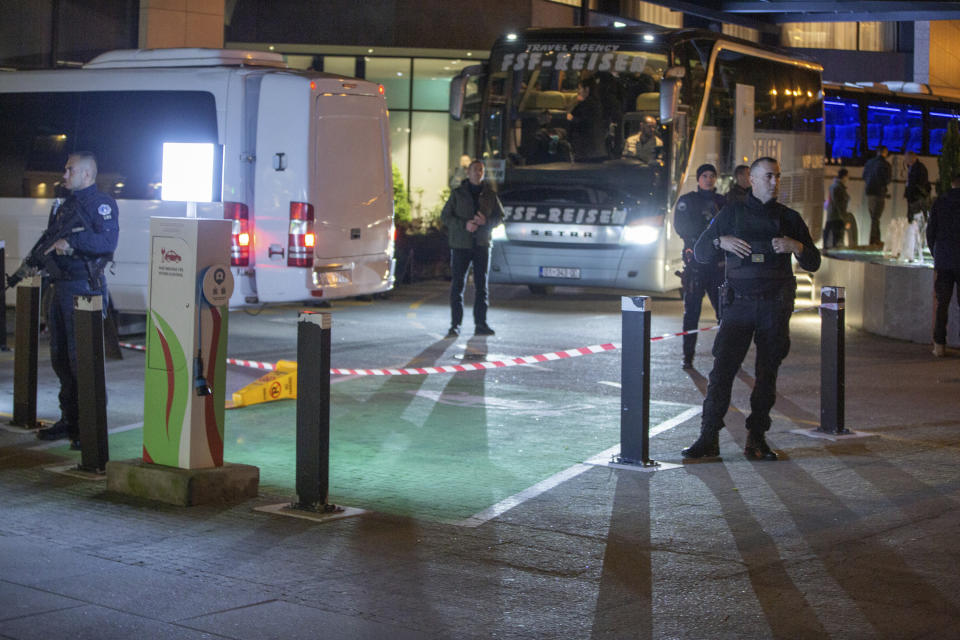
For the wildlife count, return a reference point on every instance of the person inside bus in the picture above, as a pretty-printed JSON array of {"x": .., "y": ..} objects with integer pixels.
[
  {"x": 694, "y": 213},
  {"x": 943, "y": 238},
  {"x": 740, "y": 187},
  {"x": 78, "y": 261},
  {"x": 587, "y": 130},
  {"x": 757, "y": 236},
  {"x": 837, "y": 215},
  {"x": 470, "y": 214},
  {"x": 917, "y": 191},
  {"x": 549, "y": 144},
  {"x": 644, "y": 145},
  {"x": 877, "y": 174}
]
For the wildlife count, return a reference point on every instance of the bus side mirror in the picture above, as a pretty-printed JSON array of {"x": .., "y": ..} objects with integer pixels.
[
  {"x": 669, "y": 96},
  {"x": 458, "y": 89}
]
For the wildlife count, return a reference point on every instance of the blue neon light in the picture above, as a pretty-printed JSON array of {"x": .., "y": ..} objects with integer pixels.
[
  {"x": 914, "y": 112},
  {"x": 885, "y": 108},
  {"x": 840, "y": 104},
  {"x": 944, "y": 115}
]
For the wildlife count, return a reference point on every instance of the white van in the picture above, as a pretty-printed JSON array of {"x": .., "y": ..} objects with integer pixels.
[{"x": 304, "y": 165}]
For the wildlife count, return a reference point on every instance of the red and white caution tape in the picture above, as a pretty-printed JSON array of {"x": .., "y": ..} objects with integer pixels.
[{"x": 455, "y": 368}]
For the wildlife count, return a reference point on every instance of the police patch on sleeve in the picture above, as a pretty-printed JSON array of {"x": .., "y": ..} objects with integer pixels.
[
  {"x": 681, "y": 206},
  {"x": 105, "y": 211}
]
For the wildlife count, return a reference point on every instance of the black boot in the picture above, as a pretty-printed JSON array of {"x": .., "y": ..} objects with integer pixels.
[
  {"x": 757, "y": 447},
  {"x": 706, "y": 446}
]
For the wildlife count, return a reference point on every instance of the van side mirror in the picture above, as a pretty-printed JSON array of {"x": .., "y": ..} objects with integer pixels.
[
  {"x": 458, "y": 89},
  {"x": 669, "y": 97}
]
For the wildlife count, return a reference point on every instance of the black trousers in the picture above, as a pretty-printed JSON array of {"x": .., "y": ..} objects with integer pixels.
[
  {"x": 460, "y": 261},
  {"x": 944, "y": 283},
  {"x": 696, "y": 282},
  {"x": 63, "y": 346},
  {"x": 766, "y": 322}
]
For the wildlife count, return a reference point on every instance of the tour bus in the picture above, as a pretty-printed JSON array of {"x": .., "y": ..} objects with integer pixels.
[
  {"x": 303, "y": 165},
  {"x": 902, "y": 116},
  {"x": 582, "y": 206}
]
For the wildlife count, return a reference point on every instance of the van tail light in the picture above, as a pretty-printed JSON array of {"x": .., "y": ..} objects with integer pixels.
[
  {"x": 301, "y": 239},
  {"x": 240, "y": 235}
]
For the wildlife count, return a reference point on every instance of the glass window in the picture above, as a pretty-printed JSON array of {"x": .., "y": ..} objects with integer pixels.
[
  {"x": 899, "y": 127},
  {"x": 400, "y": 140},
  {"x": 940, "y": 117},
  {"x": 342, "y": 65},
  {"x": 878, "y": 36},
  {"x": 431, "y": 82},
  {"x": 819, "y": 35},
  {"x": 124, "y": 129},
  {"x": 787, "y": 97},
  {"x": 428, "y": 160},
  {"x": 394, "y": 75},
  {"x": 842, "y": 131}
]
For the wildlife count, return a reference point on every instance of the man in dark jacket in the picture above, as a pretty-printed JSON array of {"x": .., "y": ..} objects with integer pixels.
[
  {"x": 693, "y": 214},
  {"x": 917, "y": 190},
  {"x": 740, "y": 188},
  {"x": 470, "y": 214},
  {"x": 877, "y": 174},
  {"x": 943, "y": 238},
  {"x": 757, "y": 236}
]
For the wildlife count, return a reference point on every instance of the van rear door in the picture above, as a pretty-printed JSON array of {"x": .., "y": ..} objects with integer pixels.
[
  {"x": 353, "y": 191},
  {"x": 283, "y": 166}
]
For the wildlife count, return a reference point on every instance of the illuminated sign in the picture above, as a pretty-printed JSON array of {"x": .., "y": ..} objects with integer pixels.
[
  {"x": 574, "y": 57},
  {"x": 565, "y": 215},
  {"x": 187, "y": 172}
]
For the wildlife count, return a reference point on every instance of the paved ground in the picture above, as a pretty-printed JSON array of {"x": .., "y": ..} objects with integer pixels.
[{"x": 483, "y": 520}]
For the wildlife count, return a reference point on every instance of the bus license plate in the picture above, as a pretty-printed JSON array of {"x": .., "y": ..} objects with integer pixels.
[
  {"x": 333, "y": 278},
  {"x": 560, "y": 272}
]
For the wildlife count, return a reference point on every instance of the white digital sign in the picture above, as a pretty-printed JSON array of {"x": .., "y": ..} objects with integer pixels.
[{"x": 187, "y": 172}]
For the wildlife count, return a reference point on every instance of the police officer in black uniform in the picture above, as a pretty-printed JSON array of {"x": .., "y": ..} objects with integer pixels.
[
  {"x": 693, "y": 214},
  {"x": 757, "y": 235},
  {"x": 77, "y": 269}
]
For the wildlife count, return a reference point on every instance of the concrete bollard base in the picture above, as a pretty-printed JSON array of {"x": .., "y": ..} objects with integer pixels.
[{"x": 183, "y": 487}]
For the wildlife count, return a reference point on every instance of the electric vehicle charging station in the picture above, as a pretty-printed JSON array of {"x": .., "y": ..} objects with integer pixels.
[{"x": 189, "y": 291}]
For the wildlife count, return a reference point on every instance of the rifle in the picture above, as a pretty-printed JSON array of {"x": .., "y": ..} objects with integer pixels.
[{"x": 38, "y": 259}]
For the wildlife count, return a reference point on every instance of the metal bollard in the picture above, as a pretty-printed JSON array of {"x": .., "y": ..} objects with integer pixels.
[
  {"x": 313, "y": 412},
  {"x": 26, "y": 347},
  {"x": 635, "y": 382},
  {"x": 3, "y": 307},
  {"x": 832, "y": 361},
  {"x": 91, "y": 388}
]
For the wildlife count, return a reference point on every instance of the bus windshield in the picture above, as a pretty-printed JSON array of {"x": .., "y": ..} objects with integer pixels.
[{"x": 576, "y": 104}]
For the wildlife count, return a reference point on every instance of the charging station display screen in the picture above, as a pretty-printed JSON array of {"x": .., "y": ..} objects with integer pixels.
[{"x": 187, "y": 172}]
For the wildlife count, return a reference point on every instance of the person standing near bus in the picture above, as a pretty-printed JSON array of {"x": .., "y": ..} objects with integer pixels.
[
  {"x": 917, "y": 191},
  {"x": 470, "y": 214},
  {"x": 77, "y": 269},
  {"x": 694, "y": 213},
  {"x": 837, "y": 202},
  {"x": 877, "y": 174},
  {"x": 943, "y": 238},
  {"x": 758, "y": 237},
  {"x": 740, "y": 188}
]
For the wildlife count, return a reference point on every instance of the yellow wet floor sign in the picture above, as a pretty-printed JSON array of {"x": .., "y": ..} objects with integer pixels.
[{"x": 279, "y": 384}]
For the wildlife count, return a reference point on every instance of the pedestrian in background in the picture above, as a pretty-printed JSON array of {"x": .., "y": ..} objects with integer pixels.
[
  {"x": 917, "y": 191},
  {"x": 470, "y": 214},
  {"x": 740, "y": 187},
  {"x": 943, "y": 238},
  {"x": 837, "y": 201},
  {"x": 877, "y": 174},
  {"x": 694, "y": 213},
  {"x": 757, "y": 236}
]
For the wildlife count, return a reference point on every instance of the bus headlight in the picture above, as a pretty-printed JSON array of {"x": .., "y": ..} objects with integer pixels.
[
  {"x": 640, "y": 234},
  {"x": 499, "y": 233}
]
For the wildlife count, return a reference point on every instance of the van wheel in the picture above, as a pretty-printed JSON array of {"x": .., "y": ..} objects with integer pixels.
[{"x": 540, "y": 289}]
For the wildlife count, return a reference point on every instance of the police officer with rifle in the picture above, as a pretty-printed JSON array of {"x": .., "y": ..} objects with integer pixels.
[
  {"x": 80, "y": 239},
  {"x": 757, "y": 235},
  {"x": 693, "y": 214}
]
